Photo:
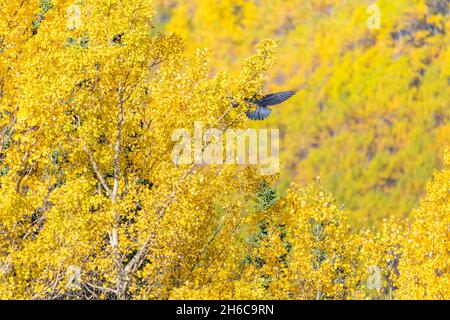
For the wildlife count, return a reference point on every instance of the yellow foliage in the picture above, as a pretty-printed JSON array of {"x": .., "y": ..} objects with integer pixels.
[
  {"x": 425, "y": 264},
  {"x": 373, "y": 114},
  {"x": 93, "y": 207},
  {"x": 92, "y": 204},
  {"x": 308, "y": 251}
]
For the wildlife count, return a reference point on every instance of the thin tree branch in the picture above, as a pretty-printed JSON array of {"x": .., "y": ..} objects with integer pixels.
[
  {"x": 135, "y": 262},
  {"x": 114, "y": 236},
  {"x": 103, "y": 289},
  {"x": 97, "y": 171}
]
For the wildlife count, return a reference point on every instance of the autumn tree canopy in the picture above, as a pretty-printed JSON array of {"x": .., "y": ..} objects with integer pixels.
[{"x": 92, "y": 205}]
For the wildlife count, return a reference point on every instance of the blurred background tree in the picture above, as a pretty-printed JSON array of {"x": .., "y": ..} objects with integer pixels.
[{"x": 374, "y": 113}]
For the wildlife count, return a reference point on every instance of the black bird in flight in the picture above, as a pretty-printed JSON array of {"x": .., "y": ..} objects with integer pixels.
[{"x": 262, "y": 110}]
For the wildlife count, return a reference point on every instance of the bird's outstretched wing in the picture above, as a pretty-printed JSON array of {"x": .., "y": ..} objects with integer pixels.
[
  {"x": 275, "y": 98},
  {"x": 260, "y": 113}
]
